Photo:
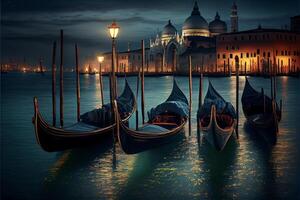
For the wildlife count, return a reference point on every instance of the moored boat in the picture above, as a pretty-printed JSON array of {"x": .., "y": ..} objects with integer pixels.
[
  {"x": 216, "y": 119},
  {"x": 261, "y": 111},
  {"x": 166, "y": 121},
  {"x": 91, "y": 129}
]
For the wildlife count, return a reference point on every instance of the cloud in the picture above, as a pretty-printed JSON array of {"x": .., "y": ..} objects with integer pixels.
[{"x": 37, "y": 22}]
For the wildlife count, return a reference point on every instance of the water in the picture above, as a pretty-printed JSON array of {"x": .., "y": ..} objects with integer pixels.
[{"x": 250, "y": 168}]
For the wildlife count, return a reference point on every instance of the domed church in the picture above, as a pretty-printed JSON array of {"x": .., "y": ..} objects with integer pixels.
[{"x": 169, "y": 50}]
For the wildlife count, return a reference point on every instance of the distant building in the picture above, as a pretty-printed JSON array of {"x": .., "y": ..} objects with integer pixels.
[
  {"x": 213, "y": 48},
  {"x": 258, "y": 47},
  {"x": 169, "y": 50},
  {"x": 295, "y": 23}
]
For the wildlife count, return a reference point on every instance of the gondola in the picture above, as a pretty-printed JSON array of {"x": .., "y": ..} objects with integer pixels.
[
  {"x": 93, "y": 127},
  {"x": 166, "y": 122},
  {"x": 261, "y": 111},
  {"x": 216, "y": 119}
]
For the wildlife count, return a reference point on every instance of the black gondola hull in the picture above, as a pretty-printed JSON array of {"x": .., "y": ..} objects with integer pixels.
[
  {"x": 56, "y": 140},
  {"x": 132, "y": 145}
]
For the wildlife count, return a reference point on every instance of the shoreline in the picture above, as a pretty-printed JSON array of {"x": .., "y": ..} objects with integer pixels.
[{"x": 153, "y": 74}]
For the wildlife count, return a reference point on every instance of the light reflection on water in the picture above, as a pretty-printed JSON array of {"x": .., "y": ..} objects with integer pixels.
[{"x": 248, "y": 168}]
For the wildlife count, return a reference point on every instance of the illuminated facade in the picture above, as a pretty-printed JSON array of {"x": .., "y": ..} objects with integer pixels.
[
  {"x": 214, "y": 49},
  {"x": 169, "y": 51},
  {"x": 259, "y": 48}
]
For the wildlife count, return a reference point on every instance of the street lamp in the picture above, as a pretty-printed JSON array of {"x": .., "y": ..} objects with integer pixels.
[
  {"x": 113, "y": 31},
  {"x": 100, "y": 60}
]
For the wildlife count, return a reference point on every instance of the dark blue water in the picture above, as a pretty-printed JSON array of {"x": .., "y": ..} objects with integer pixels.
[{"x": 250, "y": 168}]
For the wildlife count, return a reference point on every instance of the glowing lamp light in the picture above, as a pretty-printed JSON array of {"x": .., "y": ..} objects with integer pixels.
[
  {"x": 113, "y": 30},
  {"x": 86, "y": 69},
  {"x": 100, "y": 59}
]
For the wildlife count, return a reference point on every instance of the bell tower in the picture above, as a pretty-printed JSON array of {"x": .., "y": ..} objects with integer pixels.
[{"x": 234, "y": 18}]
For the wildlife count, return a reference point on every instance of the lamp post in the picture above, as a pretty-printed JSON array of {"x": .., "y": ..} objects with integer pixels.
[
  {"x": 100, "y": 60},
  {"x": 113, "y": 31}
]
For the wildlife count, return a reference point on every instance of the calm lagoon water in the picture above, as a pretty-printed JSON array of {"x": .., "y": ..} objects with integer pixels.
[{"x": 250, "y": 168}]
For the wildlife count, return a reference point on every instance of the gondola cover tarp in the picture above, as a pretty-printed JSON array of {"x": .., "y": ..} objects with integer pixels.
[
  {"x": 102, "y": 117},
  {"x": 214, "y": 98},
  {"x": 176, "y": 103}
]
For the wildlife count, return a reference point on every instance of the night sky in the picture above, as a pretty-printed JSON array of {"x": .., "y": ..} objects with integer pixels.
[{"x": 28, "y": 27}]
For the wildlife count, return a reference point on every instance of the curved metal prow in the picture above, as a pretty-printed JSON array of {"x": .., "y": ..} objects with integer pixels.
[
  {"x": 213, "y": 120},
  {"x": 117, "y": 120},
  {"x": 35, "y": 118},
  {"x": 275, "y": 115}
]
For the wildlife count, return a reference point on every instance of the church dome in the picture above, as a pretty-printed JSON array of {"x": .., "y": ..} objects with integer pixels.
[
  {"x": 169, "y": 29},
  {"x": 217, "y": 26},
  {"x": 195, "y": 25}
]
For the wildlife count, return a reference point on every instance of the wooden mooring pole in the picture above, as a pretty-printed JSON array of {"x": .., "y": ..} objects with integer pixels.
[
  {"x": 101, "y": 84},
  {"x": 271, "y": 77},
  {"x": 137, "y": 96},
  {"x": 275, "y": 74},
  {"x": 54, "y": 84},
  {"x": 200, "y": 88},
  {"x": 77, "y": 83},
  {"x": 61, "y": 105},
  {"x": 142, "y": 82},
  {"x": 190, "y": 92},
  {"x": 237, "y": 95},
  {"x": 200, "y": 101},
  {"x": 264, "y": 99}
]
